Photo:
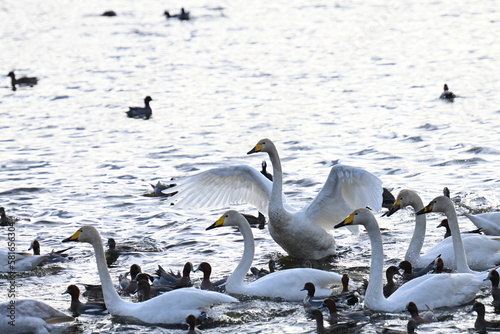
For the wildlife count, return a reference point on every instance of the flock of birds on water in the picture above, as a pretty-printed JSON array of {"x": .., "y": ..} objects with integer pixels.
[{"x": 449, "y": 274}]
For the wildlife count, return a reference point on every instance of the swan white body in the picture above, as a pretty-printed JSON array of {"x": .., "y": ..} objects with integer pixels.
[
  {"x": 168, "y": 308},
  {"x": 302, "y": 234},
  {"x": 286, "y": 284},
  {"x": 488, "y": 222},
  {"x": 19, "y": 262},
  {"x": 482, "y": 251},
  {"x": 31, "y": 316},
  {"x": 440, "y": 290}
]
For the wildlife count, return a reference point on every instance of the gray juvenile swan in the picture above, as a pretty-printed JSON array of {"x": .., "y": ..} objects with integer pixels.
[
  {"x": 168, "y": 308},
  {"x": 303, "y": 234}
]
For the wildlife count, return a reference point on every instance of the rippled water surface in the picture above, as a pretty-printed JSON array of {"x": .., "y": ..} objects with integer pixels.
[{"x": 347, "y": 81}]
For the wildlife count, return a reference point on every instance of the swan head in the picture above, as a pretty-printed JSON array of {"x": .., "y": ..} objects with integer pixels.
[
  {"x": 84, "y": 234},
  {"x": 264, "y": 145},
  {"x": 359, "y": 217},
  {"x": 438, "y": 204},
  {"x": 404, "y": 198},
  {"x": 230, "y": 218}
]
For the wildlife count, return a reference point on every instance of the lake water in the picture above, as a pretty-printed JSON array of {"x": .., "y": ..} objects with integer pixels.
[{"x": 350, "y": 81}]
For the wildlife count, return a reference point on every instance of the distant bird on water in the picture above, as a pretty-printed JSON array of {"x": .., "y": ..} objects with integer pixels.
[
  {"x": 141, "y": 112},
  {"x": 109, "y": 13},
  {"x": 24, "y": 81},
  {"x": 447, "y": 94},
  {"x": 183, "y": 15}
]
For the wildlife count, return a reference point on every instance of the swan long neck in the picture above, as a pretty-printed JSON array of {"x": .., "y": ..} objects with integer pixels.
[
  {"x": 238, "y": 275},
  {"x": 277, "y": 189},
  {"x": 374, "y": 291},
  {"x": 417, "y": 240},
  {"x": 458, "y": 247},
  {"x": 111, "y": 297}
]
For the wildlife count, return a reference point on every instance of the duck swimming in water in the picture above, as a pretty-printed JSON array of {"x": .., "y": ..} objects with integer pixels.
[
  {"x": 24, "y": 81},
  {"x": 141, "y": 112}
]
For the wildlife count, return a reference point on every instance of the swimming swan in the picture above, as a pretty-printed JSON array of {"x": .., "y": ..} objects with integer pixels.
[
  {"x": 18, "y": 261},
  {"x": 482, "y": 251},
  {"x": 286, "y": 284},
  {"x": 488, "y": 222},
  {"x": 443, "y": 290},
  {"x": 30, "y": 316},
  {"x": 303, "y": 234},
  {"x": 168, "y": 308}
]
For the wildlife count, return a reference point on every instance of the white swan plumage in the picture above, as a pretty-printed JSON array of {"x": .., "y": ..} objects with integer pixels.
[
  {"x": 488, "y": 222},
  {"x": 30, "y": 316},
  {"x": 440, "y": 290},
  {"x": 169, "y": 308},
  {"x": 304, "y": 233},
  {"x": 10, "y": 261},
  {"x": 286, "y": 284},
  {"x": 482, "y": 251}
]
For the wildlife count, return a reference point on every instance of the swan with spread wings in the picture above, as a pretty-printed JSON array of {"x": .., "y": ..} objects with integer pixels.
[{"x": 303, "y": 234}]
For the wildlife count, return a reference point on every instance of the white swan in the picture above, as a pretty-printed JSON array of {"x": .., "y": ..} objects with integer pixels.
[
  {"x": 30, "y": 316},
  {"x": 18, "y": 261},
  {"x": 488, "y": 222},
  {"x": 302, "y": 234},
  {"x": 482, "y": 251},
  {"x": 443, "y": 290},
  {"x": 168, "y": 308},
  {"x": 286, "y": 284}
]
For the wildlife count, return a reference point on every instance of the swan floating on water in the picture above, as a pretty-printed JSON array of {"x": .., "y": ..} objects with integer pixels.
[
  {"x": 443, "y": 290},
  {"x": 303, "y": 234},
  {"x": 285, "y": 284},
  {"x": 168, "y": 308},
  {"x": 482, "y": 251}
]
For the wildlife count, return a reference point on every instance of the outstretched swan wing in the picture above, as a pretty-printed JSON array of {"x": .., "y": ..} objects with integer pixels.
[
  {"x": 223, "y": 186},
  {"x": 346, "y": 189}
]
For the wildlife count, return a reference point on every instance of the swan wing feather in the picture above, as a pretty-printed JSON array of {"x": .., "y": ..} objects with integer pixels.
[
  {"x": 223, "y": 186},
  {"x": 346, "y": 189}
]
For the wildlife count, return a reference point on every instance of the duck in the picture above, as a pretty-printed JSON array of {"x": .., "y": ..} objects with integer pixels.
[
  {"x": 141, "y": 112},
  {"x": 310, "y": 300},
  {"x": 206, "y": 284},
  {"x": 77, "y": 307},
  {"x": 57, "y": 256},
  {"x": 447, "y": 94},
  {"x": 335, "y": 316},
  {"x": 176, "y": 280},
  {"x": 169, "y": 308},
  {"x": 439, "y": 267},
  {"x": 426, "y": 317},
  {"x": 191, "y": 321},
  {"x": 390, "y": 286},
  {"x": 348, "y": 297},
  {"x": 444, "y": 223},
  {"x": 147, "y": 291},
  {"x": 10, "y": 261},
  {"x": 6, "y": 220},
  {"x": 320, "y": 325},
  {"x": 258, "y": 273},
  {"x": 284, "y": 284},
  {"x": 31, "y": 316},
  {"x": 159, "y": 187},
  {"x": 143, "y": 290},
  {"x": 483, "y": 252},
  {"x": 409, "y": 274},
  {"x": 259, "y": 221},
  {"x": 114, "y": 251},
  {"x": 129, "y": 284},
  {"x": 495, "y": 290},
  {"x": 387, "y": 198},
  {"x": 24, "y": 81},
  {"x": 488, "y": 222},
  {"x": 481, "y": 323},
  {"x": 264, "y": 171},
  {"x": 109, "y": 13},
  {"x": 183, "y": 15},
  {"x": 445, "y": 290},
  {"x": 304, "y": 234}
]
